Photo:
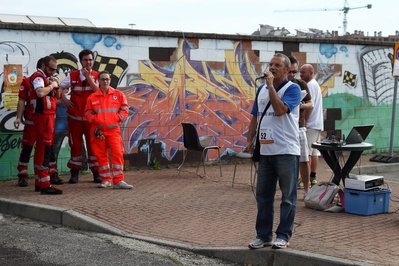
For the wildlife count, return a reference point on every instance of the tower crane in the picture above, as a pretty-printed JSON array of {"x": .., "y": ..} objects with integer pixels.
[{"x": 344, "y": 9}]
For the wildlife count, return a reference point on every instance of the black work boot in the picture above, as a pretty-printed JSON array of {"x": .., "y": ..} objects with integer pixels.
[
  {"x": 51, "y": 190},
  {"x": 56, "y": 180},
  {"x": 23, "y": 181},
  {"x": 96, "y": 177},
  {"x": 74, "y": 176}
]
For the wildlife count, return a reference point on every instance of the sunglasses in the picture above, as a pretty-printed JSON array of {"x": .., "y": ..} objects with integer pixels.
[
  {"x": 52, "y": 69},
  {"x": 293, "y": 71},
  {"x": 105, "y": 79}
]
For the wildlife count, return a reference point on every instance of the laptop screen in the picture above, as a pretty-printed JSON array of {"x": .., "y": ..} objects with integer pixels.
[{"x": 358, "y": 134}]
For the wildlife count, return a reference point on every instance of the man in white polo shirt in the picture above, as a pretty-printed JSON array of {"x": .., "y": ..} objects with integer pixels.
[{"x": 314, "y": 124}]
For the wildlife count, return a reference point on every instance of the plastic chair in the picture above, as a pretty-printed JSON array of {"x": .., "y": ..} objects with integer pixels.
[
  {"x": 244, "y": 155},
  {"x": 193, "y": 143}
]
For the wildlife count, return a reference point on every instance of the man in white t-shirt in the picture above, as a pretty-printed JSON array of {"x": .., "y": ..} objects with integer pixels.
[{"x": 314, "y": 124}]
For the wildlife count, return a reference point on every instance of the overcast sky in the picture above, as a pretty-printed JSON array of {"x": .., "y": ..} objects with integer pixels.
[{"x": 219, "y": 16}]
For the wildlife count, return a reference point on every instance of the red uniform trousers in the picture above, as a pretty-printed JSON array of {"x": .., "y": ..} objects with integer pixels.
[
  {"x": 28, "y": 141},
  {"x": 113, "y": 141},
  {"x": 78, "y": 129},
  {"x": 29, "y": 136},
  {"x": 44, "y": 125}
]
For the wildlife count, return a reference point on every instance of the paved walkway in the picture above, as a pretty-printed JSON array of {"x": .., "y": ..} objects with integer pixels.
[{"x": 209, "y": 213}]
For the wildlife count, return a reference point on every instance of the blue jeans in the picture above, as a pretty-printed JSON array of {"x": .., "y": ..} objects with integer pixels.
[{"x": 285, "y": 170}]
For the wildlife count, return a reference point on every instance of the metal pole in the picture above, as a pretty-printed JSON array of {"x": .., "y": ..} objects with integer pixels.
[{"x": 395, "y": 89}]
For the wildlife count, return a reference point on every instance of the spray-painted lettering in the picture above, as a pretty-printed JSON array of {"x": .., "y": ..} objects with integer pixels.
[{"x": 9, "y": 143}]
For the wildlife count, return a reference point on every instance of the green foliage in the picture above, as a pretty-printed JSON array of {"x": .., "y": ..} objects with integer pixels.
[
  {"x": 155, "y": 164},
  {"x": 130, "y": 168}
]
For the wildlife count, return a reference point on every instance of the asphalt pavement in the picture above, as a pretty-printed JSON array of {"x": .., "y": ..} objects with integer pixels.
[
  {"x": 35, "y": 243},
  {"x": 205, "y": 214}
]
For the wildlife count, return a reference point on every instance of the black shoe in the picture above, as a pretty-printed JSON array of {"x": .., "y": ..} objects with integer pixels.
[
  {"x": 51, "y": 190},
  {"x": 37, "y": 189},
  {"x": 74, "y": 176},
  {"x": 22, "y": 182},
  {"x": 96, "y": 177},
  {"x": 54, "y": 179}
]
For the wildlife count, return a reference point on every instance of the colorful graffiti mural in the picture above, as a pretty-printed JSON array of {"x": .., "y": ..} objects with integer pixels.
[
  {"x": 218, "y": 103},
  {"x": 214, "y": 94}
]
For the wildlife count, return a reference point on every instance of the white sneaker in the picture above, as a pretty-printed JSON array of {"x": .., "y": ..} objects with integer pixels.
[
  {"x": 123, "y": 184},
  {"x": 259, "y": 243},
  {"x": 105, "y": 184},
  {"x": 280, "y": 243}
]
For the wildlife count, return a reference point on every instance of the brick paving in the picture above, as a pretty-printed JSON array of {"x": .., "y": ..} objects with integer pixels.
[{"x": 208, "y": 212}]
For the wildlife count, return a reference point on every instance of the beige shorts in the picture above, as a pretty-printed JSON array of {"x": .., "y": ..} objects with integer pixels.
[
  {"x": 304, "y": 157},
  {"x": 313, "y": 136}
]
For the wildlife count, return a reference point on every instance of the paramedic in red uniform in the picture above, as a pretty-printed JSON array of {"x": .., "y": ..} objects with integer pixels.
[
  {"x": 25, "y": 108},
  {"x": 46, "y": 89},
  {"x": 83, "y": 83},
  {"x": 106, "y": 110}
]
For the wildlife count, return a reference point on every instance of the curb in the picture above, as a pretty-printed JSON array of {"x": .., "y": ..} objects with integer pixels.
[
  {"x": 375, "y": 169},
  {"x": 73, "y": 219}
]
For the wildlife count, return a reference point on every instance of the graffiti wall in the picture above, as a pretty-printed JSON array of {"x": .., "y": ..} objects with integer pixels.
[{"x": 209, "y": 82}]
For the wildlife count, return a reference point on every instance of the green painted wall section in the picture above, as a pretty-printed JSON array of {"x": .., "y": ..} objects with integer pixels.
[{"x": 358, "y": 111}]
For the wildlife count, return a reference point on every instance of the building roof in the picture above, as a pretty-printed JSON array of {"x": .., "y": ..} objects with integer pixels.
[{"x": 27, "y": 19}]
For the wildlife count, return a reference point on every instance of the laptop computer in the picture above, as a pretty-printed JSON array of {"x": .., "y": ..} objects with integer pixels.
[{"x": 358, "y": 134}]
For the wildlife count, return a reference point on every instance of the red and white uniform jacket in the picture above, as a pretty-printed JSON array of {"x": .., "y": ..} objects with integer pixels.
[
  {"x": 80, "y": 91},
  {"x": 47, "y": 104}
]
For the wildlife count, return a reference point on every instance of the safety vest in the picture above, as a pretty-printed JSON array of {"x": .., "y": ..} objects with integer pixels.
[
  {"x": 45, "y": 105},
  {"x": 80, "y": 91}
]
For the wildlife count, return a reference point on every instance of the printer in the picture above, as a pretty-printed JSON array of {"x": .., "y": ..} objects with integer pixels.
[{"x": 364, "y": 182}]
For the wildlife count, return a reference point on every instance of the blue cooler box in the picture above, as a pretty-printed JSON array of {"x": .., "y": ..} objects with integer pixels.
[{"x": 367, "y": 202}]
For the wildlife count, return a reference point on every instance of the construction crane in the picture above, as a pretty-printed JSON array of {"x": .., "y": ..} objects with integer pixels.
[{"x": 344, "y": 9}]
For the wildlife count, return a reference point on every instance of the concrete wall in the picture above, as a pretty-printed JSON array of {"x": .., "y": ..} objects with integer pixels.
[{"x": 206, "y": 79}]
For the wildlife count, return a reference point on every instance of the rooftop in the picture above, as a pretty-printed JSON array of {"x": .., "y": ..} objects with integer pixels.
[{"x": 45, "y": 20}]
